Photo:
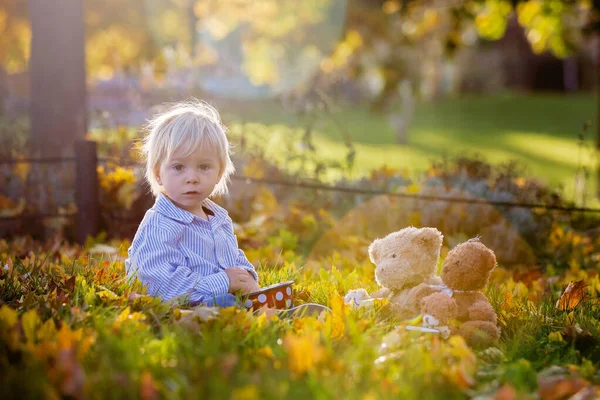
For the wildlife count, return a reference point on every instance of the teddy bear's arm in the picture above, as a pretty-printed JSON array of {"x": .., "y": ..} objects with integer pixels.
[
  {"x": 382, "y": 293},
  {"x": 482, "y": 311},
  {"x": 418, "y": 293}
]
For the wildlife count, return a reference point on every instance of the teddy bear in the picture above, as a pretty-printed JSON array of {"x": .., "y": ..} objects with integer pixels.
[
  {"x": 460, "y": 307},
  {"x": 405, "y": 269}
]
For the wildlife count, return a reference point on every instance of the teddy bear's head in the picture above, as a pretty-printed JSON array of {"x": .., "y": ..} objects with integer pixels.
[
  {"x": 407, "y": 257},
  {"x": 468, "y": 266}
]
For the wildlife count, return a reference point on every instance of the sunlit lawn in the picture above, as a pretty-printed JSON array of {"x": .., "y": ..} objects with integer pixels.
[
  {"x": 72, "y": 327},
  {"x": 539, "y": 131}
]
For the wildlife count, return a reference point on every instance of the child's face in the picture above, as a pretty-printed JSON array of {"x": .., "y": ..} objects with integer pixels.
[{"x": 187, "y": 181}]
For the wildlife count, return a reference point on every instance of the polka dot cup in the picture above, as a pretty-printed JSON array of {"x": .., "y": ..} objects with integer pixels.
[{"x": 278, "y": 296}]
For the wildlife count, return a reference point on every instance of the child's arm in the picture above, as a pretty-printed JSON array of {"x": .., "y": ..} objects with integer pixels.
[{"x": 162, "y": 267}]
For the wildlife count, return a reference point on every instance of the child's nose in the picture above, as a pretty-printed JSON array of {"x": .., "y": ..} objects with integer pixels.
[{"x": 192, "y": 177}]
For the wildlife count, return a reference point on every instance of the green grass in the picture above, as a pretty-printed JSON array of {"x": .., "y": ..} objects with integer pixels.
[
  {"x": 72, "y": 327},
  {"x": 541, "y": 132}
]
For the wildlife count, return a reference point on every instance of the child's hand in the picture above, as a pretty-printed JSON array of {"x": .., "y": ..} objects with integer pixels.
[
  {"x": 240, "y": 280},
  {"x": 252, "y": 286}
]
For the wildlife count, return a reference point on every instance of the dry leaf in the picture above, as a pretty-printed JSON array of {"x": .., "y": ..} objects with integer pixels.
[
  {"x": 506, "y": 392},
  {"x": 560, "y": 387},
  {"x": 148, "y": 387},
  {"x": 197, "y": 316},
  {"x": 572, "y": 296}
]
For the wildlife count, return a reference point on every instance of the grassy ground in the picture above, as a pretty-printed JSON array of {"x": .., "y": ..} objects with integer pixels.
[
  {"x": 72, "y": 327},
  {"x": 539, "y": 131}
]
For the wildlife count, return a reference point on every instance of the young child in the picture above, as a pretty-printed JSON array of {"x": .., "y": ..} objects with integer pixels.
[{"x": 185, "y": 245}]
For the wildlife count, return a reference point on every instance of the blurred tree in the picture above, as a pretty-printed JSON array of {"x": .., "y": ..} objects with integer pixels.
[
  {"x": 15, "y": 36},
  {"x": 411, "y": 39},
  {"x": 118, "y": 36},
  {"x": 124, "y": 34},
  {"x": 57, "y": 70}
]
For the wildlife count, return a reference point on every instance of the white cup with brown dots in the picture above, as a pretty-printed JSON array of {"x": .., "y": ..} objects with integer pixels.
[{"x": 279, "y": 295}]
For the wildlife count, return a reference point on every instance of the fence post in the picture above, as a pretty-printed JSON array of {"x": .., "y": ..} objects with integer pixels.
[{"x": 86, "y": 190}]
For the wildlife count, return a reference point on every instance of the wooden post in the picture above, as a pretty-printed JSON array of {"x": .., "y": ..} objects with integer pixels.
[
  {"x": 597, "y": 66},
  {"x": 596, "y": 32},
  {"x": 58, "y": 79},
  {"x": 86, "y": 190}
]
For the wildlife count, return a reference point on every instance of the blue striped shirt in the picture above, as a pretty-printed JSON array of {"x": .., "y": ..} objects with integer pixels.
[{"x": 175, "y": 252}]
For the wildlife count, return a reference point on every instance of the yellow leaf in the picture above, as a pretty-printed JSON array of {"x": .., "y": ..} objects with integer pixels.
[
  {"x": 266, "y": 351},
  {"x": 261, "y": 320},
  {"x": 555, "y": 337},
  {"x": 67, "y": 338},
  {"x": 335, "y": 322},
  {"x": 85, "y": 344},
  {"x": 460, "y": 349},
  {"x": 107, "y": 296},
  {"x": 30, "y": 322},
  {"x": 460, "y": 377},
  {"x": 8, "y": 316},
  {"x": 304, "y": 351},
  {"x": 48, "y": 331},
  {"x": 508, "y": 299},
  {"x": 248, "y": 392},
  {"x": 127, "y": 316}
]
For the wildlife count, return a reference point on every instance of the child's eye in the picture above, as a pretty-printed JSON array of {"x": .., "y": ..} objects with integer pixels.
[
  {"x": 205, "y": 167},
  {"x": 177, "y": 167}
]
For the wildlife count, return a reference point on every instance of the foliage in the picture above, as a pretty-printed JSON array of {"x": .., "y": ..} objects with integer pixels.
[
  {"x": 72, "y": 325},
  {"x": 129, "y": 36},
  {"x": 315, "y": 221}
]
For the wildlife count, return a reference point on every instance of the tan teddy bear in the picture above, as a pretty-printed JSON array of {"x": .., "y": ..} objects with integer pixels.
[
  {"x": 403, "y": 261},
  {"x": 460, "y": 305}
]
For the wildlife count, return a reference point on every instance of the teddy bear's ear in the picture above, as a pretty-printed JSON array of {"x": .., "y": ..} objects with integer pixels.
[
  {"x": 431, "y": 237},
  {"x": 374, "y": 251}
]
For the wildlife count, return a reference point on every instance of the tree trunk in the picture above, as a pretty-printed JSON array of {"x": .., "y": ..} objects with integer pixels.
[
  {"x": 596, "y": 5},
  {"x": 597, "y": 66},
  {"x": 57, "y": 74},
  {"x": 193, "y": 26}
]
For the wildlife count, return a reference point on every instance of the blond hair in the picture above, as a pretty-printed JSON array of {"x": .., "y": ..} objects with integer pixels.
[{"x": 185, "y": 126}]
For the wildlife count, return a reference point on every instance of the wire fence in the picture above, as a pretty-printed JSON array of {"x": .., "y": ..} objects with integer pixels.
[
  {"x": 88, "y": 206},
  {"x": 345, "y": 189}
]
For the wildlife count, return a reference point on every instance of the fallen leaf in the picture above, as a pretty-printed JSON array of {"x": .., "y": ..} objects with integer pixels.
[
  {"x": 148, "y": 387},
  {"x": 197, "y": 316},
  {"x": 560, "y": 387},
  {"x": 572, "y": 296},
  {"x": 506, "y": 392}
]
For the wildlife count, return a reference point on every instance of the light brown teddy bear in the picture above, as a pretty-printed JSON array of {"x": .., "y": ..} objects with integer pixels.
[
  {"x": 403, "y": 260},
  {"x": 460, "y": 305}
]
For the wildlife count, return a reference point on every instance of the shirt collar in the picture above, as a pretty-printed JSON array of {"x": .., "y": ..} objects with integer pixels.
[{"x": 165, "y": 206}]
